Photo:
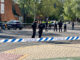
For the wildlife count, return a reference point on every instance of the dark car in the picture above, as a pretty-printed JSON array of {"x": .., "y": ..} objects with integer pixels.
[
  {"x": 51, "y": 24},
  {"x": 14, "y": 24}
]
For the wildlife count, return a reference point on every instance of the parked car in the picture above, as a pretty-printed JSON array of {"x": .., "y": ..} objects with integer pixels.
[
  {"x": 14, "y": 24},
  {"x": 52, "y": 24}
]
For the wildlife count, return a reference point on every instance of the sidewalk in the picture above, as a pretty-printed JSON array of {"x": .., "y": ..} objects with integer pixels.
[
  {"x": 47, "y": 51},
  {"x": 9, "y": 56}
]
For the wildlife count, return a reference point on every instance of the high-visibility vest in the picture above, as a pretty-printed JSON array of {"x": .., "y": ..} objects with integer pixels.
[{"x": 43, "y": 22}]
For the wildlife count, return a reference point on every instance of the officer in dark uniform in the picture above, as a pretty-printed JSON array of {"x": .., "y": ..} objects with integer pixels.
[
  {"x": 0, "y": 26},
  {"x": 65, "y": 27},
  {"x": 46, "y": 25},
  {"x": 34, "y": 26},
  {"x": 72, "y": 25},
  {"x": 55, "y": 26},
  {"x": 60, "y": 26},
  {"x": 41, "y": 27}
]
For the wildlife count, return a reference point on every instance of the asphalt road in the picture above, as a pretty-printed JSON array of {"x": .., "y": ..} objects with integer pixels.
[
  {"x": 9, "y": 46},
  {"x": 26, "y": 33}
]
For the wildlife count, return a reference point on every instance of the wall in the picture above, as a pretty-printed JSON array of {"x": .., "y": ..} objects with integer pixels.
[{"x": 8, "y": 13}]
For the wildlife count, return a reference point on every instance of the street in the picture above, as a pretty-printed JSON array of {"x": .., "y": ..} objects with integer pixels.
[
  {"x": 39, "y": 30},
  {"x": 15, "y": 48},
  {"x": 27, "y": 33}
]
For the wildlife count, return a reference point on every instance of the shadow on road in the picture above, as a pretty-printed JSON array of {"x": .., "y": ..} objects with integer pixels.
[
  {"x": 58, "y": 42},
  {"x": 29, "y": 33},
  {"x": 51, "y": 34},
  {"x": 64, "y": 42},
  {"x": 6, "y": 37}
]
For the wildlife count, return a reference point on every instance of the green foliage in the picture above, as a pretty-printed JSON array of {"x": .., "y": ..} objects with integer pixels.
[
  {"x": 44, "y": 9},
  {"x": 54, "y": 9},
  {"x": 26, "y": 6},
  {"x": 71, "y": 9},
  {"x": 48, "y": 8}
]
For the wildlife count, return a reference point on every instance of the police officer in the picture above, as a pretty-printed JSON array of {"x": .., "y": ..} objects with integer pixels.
[
  {"x": 55, "y": 26},
  {"x": 0, "y": 26},
  {"x": 46, "y": 25},
  {"x": 72, "y": 25},
  {"x": 65, "y": 27},
  {"x": 34, "y": 26},
  {"x": 60, "y": 26},
  {"x": 41, "y": 27}
]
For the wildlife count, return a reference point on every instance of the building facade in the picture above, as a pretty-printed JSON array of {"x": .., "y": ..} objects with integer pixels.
[{"x": 9, "y": 10}]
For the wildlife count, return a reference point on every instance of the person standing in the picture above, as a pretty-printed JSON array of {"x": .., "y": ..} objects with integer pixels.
[
  {"x": 65, "y": 27},
  {"x": 60, "y": 26},
  {"x": 0, "y": 26},
  {"x": 46, "y": 25},
  {"x": 72, "y": 25},
  {"x": 34, "y": 26},
  {"x": 41, "y": 27},
  {"x": 55, "y": 26}
]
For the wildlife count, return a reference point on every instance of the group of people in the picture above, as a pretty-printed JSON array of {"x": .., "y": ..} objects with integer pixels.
[
  {"x": 60, "y": 26},
  {"x": 41, "y": 27}
]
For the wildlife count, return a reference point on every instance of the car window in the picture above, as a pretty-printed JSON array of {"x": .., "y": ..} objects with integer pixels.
[{"x": 14, "y": 22}]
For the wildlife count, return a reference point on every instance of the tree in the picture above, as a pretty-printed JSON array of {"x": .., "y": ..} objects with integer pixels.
[
  {"x": 71, "y": 9},
  {"x": 45, "y": 9},
  {"x": 76, "y": 8},
  {"x": 51, "y": 8},
  {"x": 27, "y": 8}
]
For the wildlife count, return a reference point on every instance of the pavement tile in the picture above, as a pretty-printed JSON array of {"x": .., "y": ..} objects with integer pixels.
[
  {"x": 9, "y": 56},
  {"x": 48, "y": 51}
]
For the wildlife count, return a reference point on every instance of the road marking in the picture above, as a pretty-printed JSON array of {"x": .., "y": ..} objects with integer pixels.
[{"x": 24, "y": 56}]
